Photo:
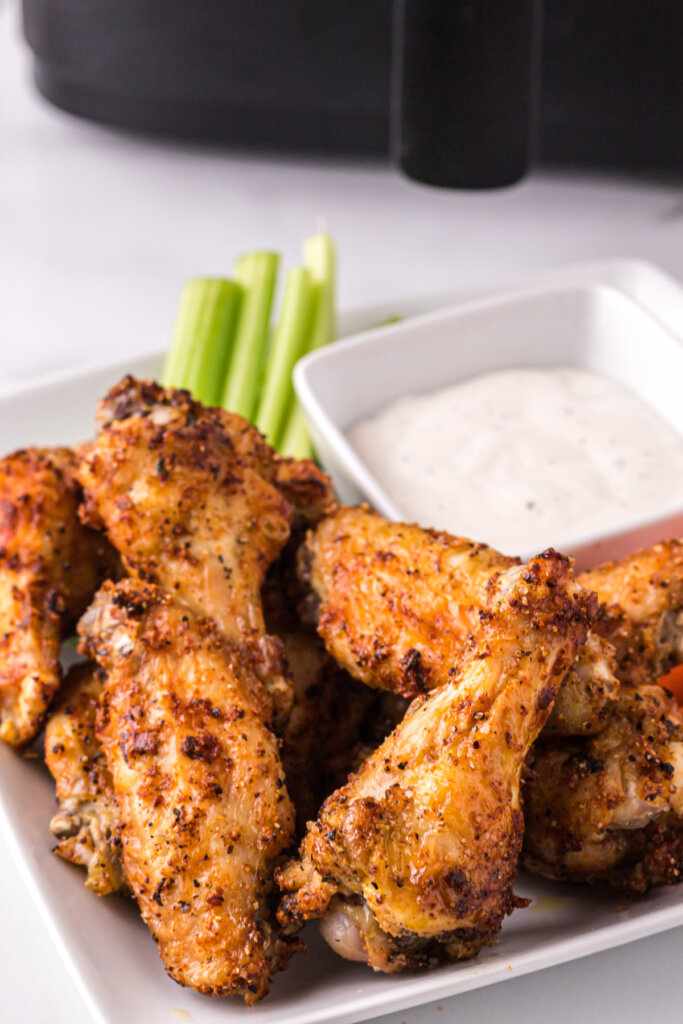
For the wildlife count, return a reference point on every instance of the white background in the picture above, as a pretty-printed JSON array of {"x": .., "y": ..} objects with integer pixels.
[{"x": 98, "y": 231}]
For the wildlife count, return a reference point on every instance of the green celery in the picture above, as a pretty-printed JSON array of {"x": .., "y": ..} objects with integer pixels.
[
  {"x": 216, "y": 336},
  {"x": 256, "y": 272},
  {"x": 290, "y": 341},
  {"x": 202, "y": 336},
  {"x": 179, "y": 353},
  {"x": 320, "y": 261}
]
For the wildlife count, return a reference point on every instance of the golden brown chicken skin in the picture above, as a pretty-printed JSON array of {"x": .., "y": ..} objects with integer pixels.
[
  {"x": 186, "y": 496},
  {"x": 414, "y": 859},
  {"x": 199, "y": 788},
  {"x": 642, "y": 610},
  {"x": 395, "y": 604},
  {"x": 610, "y": 807},
  {"x": 50, "y": 565},
  {"x": 86, "y": 825},
  {"x": 305, "y": 486}
]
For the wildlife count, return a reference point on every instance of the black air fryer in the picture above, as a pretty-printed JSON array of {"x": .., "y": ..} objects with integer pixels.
[{"x": 449, "y": 88}]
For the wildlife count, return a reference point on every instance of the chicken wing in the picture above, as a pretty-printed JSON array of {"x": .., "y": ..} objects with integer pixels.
[
  {"x": 50, "y": 565},
  {"x": 395, "y": 604},
  {"x": 610, "y": 807},
  {"x": 642, "y": 614},
  {"x": 414, "y": 859},
  {"x": 199, "y": 788},
  {"x": 189, "y": 497},
  {"x": 307, "y": 489},
  {"x": 86, "y": 824}
]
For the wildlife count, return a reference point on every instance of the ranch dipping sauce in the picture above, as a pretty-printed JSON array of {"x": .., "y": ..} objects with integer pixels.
[{"x": 522, "y": 459}]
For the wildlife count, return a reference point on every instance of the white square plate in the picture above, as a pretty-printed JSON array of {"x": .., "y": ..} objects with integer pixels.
[{"x": 106, "y": 947}]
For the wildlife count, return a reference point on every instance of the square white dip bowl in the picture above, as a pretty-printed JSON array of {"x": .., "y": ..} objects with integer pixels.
[{"x": 590, "y": 327}]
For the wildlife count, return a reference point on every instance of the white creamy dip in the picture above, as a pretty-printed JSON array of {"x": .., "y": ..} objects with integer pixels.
[{"x": 523, "y": 459}]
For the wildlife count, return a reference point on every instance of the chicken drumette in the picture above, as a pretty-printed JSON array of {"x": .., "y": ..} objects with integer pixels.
[
  {"x": 50, "y": 565},
  {"x": 413, "y": 861},
  {"x": 196, "y": 501},
  {"x": 199, "y": 788}
]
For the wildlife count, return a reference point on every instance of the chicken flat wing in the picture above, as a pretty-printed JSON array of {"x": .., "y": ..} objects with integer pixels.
[
  {"x": 610, "y": 808},
  {"x": 395, "y": 604},
  {"x": 86, "y": 824},
  {"x": 199, "y": 788},
  {"x": 50, "y": 565},
  {"x": 414, "y": 859},
  {"x": 642, "y": 614},
  {"x": 188, "y": 496}
]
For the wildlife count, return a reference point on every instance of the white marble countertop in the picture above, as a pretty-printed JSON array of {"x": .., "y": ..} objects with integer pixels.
[{"x": 98, "y": 231}]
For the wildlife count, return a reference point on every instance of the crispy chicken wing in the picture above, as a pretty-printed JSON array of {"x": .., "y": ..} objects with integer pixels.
[
  {"x": 610, "y": 807},
  {"x": 307, "y": 489},
  {"x": 395, "y": 604},
  {"x": 50, "y": 565},
  {"x": 86, "y": 825},
  {"x": 642, "y": 612},
  {"x": 199, "y": 788},
  {"x": 189, "y": 496},
  {"x": 413, "y": 861}
]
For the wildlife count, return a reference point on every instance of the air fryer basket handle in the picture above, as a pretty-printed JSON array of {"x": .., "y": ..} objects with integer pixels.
[{"x": 464, "y": 89}]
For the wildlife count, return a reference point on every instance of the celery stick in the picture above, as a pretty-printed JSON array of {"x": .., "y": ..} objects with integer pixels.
[
  {"x": 256, "y": 272},
  {"x": 296, "y": 443},
  {"x": 214, "y": 337},
  {"x": 179, "y": 352},
  {"x": 290, "y": 340},
  {"x": 198, "y": 355},
  {"x": 319, "y": 258}
]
